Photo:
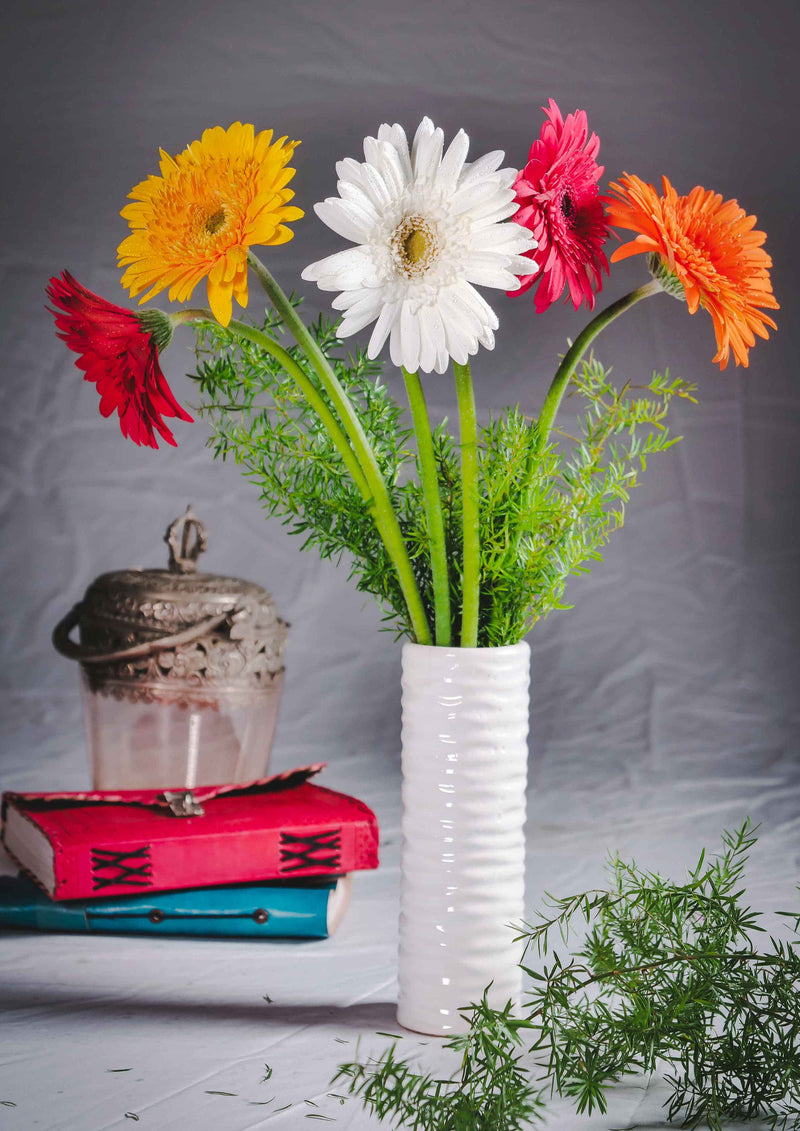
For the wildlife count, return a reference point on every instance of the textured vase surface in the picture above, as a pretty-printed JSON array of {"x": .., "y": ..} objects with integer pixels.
[{"x": 465, "y": 752}]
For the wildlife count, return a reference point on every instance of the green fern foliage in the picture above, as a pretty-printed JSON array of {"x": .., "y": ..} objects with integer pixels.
[
  {"x": 262, "y": 421},
  {"x": 668, "y": 978},
  {"x": 547, "y": 514},
  {"x": 491, "y": 1092},
  {"x": 545, "y": 511}
]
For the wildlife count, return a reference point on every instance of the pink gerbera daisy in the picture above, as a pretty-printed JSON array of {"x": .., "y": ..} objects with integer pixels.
[{"x": 560, "y": 205}]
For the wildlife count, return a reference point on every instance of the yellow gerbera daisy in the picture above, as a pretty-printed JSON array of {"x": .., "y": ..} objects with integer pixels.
[{"x": 224, "y": 193}]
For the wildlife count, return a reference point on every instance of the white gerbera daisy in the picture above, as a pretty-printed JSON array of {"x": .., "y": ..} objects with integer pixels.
[{"x": 427, "y": 227}]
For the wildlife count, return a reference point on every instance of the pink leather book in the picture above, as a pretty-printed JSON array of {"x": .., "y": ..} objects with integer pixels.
[{"x": 80, "y": 845}]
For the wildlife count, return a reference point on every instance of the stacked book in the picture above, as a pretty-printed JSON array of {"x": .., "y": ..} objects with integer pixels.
[{"x": 269, "y": 858}]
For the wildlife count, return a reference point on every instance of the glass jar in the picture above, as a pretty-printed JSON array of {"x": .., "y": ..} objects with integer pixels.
[{"x": 181, "y": 672}]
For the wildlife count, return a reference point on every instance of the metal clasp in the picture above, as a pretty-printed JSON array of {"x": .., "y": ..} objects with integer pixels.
[{"x": 182, "y": 803}]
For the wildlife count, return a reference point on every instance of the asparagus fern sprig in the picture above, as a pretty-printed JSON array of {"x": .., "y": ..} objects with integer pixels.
[
  {"x": 666, "y": 977},
  {"x": 545, "y": 510}
]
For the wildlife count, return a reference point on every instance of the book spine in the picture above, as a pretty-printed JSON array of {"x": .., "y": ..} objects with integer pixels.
[
  {"x": 244, "y": 912},
  {"x": 72, "y": 871},
  {"x": 215, "y": 858}
]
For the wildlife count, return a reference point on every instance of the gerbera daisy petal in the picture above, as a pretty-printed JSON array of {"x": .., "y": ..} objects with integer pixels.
[
  {"x": 477, "y": 194},
  {"x": 344, "y": 219},
  {"x": 474, "y": 312},
  {"x": 485, "y": 271},
  {"x": 462, "y": 325},
  {"x": 396, "y": 140},
  {"x": 705, "y": 250},
  {"x": 520, "y": 266},
  {"x": 488, "y": 215},
  {"x": 453, "y": 163},
  {"x": 431, "y": 337},
  {"x": 426, "y": 155},
  {"x": 393, "y": 170},
  {"x": 409, "y": 336},
  {"x": 375, "y": 188},
  {"x": 477, "y": 170},
  {"x": 559, "y": 203},
  {"x": 223, "y": 194},
  {"x": 346, "y": 299},
  {"x": 386, "y": 160},
  {"x": 481, "y": 306},
  {"x": 436, "y": 330},
  {"x": 359, "y": 200},
  {"x": 506, "y": 177},
  {"x": 220, "y": 295},
  {"x": 359, "y": 315},
  {"x": 460, "y": 345},
  {"x": 426, "y": 225},
  {"x": 345, "y": 270},
  {"x": 508, "y": 239},
  {"x": 383, "y": 328},
  {"x": 282, "y": 235},
  {"x": 396, "y": 342}
]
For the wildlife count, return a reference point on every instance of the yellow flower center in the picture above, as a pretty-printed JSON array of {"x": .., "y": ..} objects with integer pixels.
[{"x": 414, "y": 246}]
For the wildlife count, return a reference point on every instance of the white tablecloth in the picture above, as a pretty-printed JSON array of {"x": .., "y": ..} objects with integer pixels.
[{"x": 97, "y": 1027}]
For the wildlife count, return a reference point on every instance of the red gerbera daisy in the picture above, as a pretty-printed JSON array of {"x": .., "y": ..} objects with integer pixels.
[
  {"x": 118, "y": 350},
  {"x": 559, "y": 203}
]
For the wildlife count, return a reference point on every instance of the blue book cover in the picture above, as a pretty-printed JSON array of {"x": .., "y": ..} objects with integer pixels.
[{"x": 268, "y": 910}]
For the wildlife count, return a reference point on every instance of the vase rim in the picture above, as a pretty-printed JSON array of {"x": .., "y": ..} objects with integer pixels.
[{"x": 455, "y": 650}]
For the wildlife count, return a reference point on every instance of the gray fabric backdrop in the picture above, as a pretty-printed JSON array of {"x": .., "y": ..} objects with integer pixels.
[
  {"x": 682, "y": 647},
  {"x": 664, "y": 705}
]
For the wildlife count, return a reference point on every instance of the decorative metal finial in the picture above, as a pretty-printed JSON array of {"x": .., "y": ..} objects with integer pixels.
[{"x": 183, "y": 554}]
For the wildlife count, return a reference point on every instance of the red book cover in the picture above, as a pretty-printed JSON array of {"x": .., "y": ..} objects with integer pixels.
[{"x": 80, "y": 845}]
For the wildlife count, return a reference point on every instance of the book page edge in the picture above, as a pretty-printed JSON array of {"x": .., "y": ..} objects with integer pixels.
[
  {"x": 30, "y": 847},
  {"x": 339, "y": 901}
]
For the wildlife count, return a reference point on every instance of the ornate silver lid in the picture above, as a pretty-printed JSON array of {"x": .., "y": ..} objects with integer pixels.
[{"x": 175, "y": 634}]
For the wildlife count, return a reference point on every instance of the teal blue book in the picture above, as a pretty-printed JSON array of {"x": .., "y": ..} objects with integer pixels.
[{"x": 312, "y": 910}]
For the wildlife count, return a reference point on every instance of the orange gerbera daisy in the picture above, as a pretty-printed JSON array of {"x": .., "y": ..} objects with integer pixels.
[
  {"x": 707, "y": 250},
  {"x": 223, "y": 194}
]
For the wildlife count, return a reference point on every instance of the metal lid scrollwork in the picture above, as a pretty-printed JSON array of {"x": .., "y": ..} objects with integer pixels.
[{"x": 175, "y": 635}]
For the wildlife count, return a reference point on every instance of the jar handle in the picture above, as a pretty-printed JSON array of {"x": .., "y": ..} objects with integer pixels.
[{"x": 73, "y": 651}]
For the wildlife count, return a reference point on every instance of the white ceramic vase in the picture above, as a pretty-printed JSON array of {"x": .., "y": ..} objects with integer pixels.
[{"x": 465, "y": 728}]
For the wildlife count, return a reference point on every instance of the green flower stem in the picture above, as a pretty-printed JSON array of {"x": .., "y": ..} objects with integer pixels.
[
  {"x": 385, "y": 517},
  {"x": 306, "y": 386},
  {"x": 576, "y": 351},
  {"x": 433, "y": 508},
  {"x": 471, "y": 567},
  {"x": 555, "y": 394}
]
